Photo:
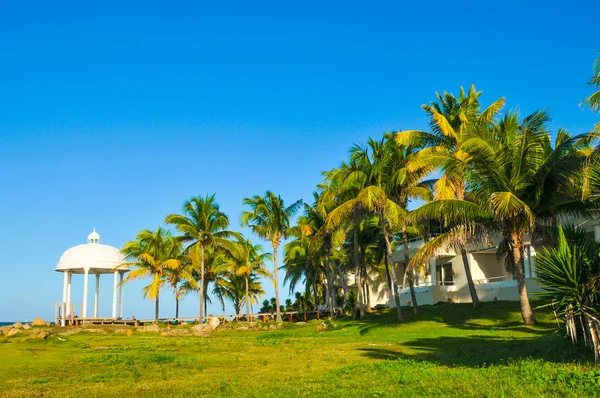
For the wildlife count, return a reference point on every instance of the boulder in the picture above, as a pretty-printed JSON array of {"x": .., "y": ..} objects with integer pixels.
[
  {"x": 27, "y": 326},
  {"x": 5, "y": 329},
  {"x": 17, "y": 325},
  {"x": 149, "y": 328},
  {"x": 201, "y": 330},
  {"x": 43, "y": 335},
  {"x": 12, "y": 332},
  {"x": 213, "y": 322},
  {"x": 126, "y": 332},
  {"x": 179, "y": 331},
  {"x": 39, "y": 322}
]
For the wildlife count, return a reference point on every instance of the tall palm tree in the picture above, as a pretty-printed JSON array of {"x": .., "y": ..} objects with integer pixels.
[
  {"x": 203, "y": 225},
  {"x": 269, "y": 218},
  {"x": 519, "y": 184},
  {"x": 383, "y": 186},
  {"x": 321, "y": 239},
  {"x": 452, "y": 121},
  {"x": 341, "y": 185},
  {"x": 154, "y": 254},
  {"x": 250, "y": 264},
  {"x": 301, "y": 263}
]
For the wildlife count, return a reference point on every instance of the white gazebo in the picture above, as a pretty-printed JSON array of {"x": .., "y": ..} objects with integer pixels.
[{"x": 97, "y": 259}]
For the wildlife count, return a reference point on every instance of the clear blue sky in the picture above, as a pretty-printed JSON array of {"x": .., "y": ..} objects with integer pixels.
[{"x": 111, "y": 115}]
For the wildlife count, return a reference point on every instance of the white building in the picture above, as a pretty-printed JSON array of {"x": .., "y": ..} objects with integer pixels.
[{"x": 447, "y": 281}]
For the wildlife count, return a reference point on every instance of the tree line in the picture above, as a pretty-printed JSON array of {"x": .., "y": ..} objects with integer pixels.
[{"x": 477, "y": 170}]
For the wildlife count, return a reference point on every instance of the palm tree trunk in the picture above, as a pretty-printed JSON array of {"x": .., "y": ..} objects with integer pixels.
[
  {"x": 316, "y": 292},
  {"x": 156, "y": 308},
  {"x": 247, "y": 301},
  {"x": 342, "y": 279},
  {"x": 275, "y": 268},
  {"x": 176, "y": 307},
  {"x": 329, "y": 272},
  {"x": 472, "y": 291},
  {"x": 411, "y": 284},
  {"x": 392, "y": 286},
  {"x": 517, "y": 252},
  {"x": 200, "y": 317},
  {"x": 361, "y": 308},
  {"x": 365, "y": 279}
]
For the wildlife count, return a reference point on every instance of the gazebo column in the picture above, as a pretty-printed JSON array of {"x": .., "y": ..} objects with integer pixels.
[
  {"x": 85, "y": 292},
  {"x": 121, "y": 273},
  {"x": 114, "y": 309},
  {"x": 96, "y": 296},
  {"x": 63, "y": 305},
  {"x": 69, "y": 278}
]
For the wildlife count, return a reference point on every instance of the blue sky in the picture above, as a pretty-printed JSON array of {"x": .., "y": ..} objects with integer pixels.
[{"x": 112, "y": 115}]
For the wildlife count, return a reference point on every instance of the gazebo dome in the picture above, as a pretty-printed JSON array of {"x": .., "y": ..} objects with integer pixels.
[{"x": 96, "y": 257}]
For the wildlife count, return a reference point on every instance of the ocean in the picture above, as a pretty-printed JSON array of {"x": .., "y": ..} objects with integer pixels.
[{"x": 6, "y": 323}]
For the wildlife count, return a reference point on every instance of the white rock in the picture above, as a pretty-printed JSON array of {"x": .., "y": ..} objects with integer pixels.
[{"x": 213, "y": 322}]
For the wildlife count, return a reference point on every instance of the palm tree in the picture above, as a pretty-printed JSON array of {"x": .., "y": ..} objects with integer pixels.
[
  {"x": 519, "y": 184},
  {"x": 301, "y": 263},
  {"x": 452, "y": 121},
  {"x": 250, "y": 264},
  {"x": 203, "y": 225},
  {"x": 154, "y": 254},
  {"x": 341, "y": 185},
  {"x": 235, "y": 287},
  {"x": 177, "y": 277},
  {"x": 380, "y": 175},
  {"x": 320, "y": 239},
  {"x": 593, "y": 101},
  {"x": 269, "y": 218}
]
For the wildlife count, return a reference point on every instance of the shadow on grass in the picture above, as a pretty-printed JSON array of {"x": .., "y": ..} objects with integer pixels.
[
  {"x": 477, "y": 351},
  {"x": 492, "y": 315}
]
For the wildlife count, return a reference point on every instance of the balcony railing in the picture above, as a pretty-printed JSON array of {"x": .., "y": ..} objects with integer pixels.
[{"x": 493, "y": 279}]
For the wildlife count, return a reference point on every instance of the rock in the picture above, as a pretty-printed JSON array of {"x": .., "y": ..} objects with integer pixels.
[
  {"x": 201, "y": 330},
  {"x": 180, "y": 331},
  {"x": 213, "y": 322},
  {"x": 27, "y": 326},
  {"x": 126, "y": 332},
  {"x": 12, "y": 332},
  {"x": 272, "y": 327},
  {"x": 43, "y": 335},
  {"x": 149, "y": 328},
  {"x": 5, "y": 329},
  {"x": 39, "y": 322},
  {"x": 322, "y": 326},
  {"x": 17, "y": 325}
]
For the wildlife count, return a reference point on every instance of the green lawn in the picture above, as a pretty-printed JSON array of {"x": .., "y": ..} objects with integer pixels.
[{"x": 448, "y": 350}]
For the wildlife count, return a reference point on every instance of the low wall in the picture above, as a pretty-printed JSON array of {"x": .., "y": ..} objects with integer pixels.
[{"x": 501, "y": 291}]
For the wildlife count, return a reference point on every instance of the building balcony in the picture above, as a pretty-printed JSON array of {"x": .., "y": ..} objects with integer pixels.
[{"x": 414, "y": 244}]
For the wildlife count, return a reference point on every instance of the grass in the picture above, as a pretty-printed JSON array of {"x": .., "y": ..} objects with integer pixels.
[{"x": 448, "y": 350}]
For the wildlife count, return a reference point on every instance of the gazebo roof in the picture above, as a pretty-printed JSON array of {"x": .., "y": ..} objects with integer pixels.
[{"x": 98, "y": 258}]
